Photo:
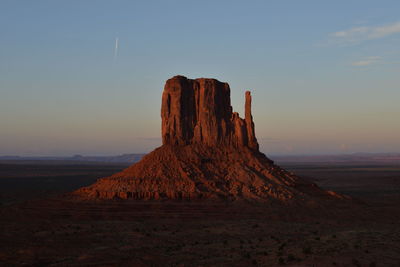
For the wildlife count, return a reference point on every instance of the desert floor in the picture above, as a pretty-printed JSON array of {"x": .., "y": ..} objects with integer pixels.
[{"x": 42, "y": 226}]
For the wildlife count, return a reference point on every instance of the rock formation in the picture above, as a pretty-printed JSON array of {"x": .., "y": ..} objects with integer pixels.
[
  {"x": 199, "y": 112},
  {"x": 208, "y": 151}
]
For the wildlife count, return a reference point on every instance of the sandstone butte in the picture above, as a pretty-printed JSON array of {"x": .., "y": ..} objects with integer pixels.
[{"x": 207, "y": 152}]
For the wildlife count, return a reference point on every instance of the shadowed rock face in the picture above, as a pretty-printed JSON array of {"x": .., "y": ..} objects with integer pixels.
[
  {"x": 199, "y": 112},
  {"x": 208, "y": 151}
]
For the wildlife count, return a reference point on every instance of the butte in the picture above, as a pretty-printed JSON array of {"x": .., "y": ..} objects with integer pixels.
[{"x": 207, "y": 152}]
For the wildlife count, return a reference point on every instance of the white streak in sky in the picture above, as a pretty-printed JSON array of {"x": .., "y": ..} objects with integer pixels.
[{"x": 116, "y": 48}]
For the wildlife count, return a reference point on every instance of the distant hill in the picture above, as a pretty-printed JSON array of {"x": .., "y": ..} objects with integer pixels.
[
  {"x": 131, "y": 158},
  {"x": 344, "y": 158},
  {"x": 125, "y": 158}
]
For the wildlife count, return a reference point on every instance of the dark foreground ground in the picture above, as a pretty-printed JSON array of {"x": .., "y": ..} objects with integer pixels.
[{"x": 38, "y": 227}]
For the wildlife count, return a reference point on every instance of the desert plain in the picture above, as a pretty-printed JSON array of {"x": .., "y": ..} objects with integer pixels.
[{"x": 43, "y": 225}]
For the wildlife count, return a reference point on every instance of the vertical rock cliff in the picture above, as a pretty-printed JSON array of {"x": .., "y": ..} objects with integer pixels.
[
  {"x": 208, "y": 151},
  {"x": 199, "y": 112}
]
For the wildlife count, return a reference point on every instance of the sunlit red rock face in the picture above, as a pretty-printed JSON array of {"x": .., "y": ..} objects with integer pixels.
[
  {"x": 208, "y": 151},
  {"x": 199, "y": 112}
]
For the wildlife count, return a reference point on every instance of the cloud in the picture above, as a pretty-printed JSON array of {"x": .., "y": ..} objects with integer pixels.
[
  {"x": 359, "y": 34},
  {"x": 362, "y": 63},
  {"x": 366, "y": 62},
  {"x": 351, "y": 33}
]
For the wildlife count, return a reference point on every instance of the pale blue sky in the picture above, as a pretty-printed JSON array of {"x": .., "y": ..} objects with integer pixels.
[{"x": 324, "y": 74}]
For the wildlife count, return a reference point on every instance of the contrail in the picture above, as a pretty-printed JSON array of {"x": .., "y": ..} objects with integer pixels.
[{"x": 116, "y": 49}]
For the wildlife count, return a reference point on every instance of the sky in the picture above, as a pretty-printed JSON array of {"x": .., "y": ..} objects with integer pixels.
[{"x": 86, "y": 77}]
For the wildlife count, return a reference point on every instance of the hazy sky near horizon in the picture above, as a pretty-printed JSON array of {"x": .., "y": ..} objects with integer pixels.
[{"x": 86, "y": 77}]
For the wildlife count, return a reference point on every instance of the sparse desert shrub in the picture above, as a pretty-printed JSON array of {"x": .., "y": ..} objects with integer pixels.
[
  {"x": 291, "y": 257},
  {"x": 307, "y": 250}
]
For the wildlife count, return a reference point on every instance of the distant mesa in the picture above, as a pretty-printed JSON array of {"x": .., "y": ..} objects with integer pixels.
[{"x": 208, "y": 152}]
